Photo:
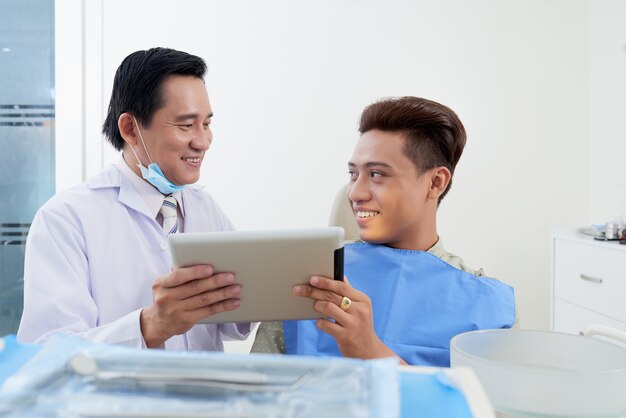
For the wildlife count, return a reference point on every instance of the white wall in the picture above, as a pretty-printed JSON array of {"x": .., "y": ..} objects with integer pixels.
[
  {"x": 288, "y": 80},
  {"x": 607, "y": 109}
]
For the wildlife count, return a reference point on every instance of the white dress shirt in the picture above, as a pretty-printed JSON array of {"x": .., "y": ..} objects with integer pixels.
[{"x": 92, "y": 254}]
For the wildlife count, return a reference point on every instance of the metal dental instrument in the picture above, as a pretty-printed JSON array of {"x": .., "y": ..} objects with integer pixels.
[{"x": 226, "y": 380}]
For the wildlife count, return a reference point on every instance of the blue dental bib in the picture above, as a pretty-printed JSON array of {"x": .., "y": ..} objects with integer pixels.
[{"x": 419, "y": 303}]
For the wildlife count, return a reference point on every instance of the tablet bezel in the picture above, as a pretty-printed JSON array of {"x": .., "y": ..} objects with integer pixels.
[{"x": 267, "y": 264}]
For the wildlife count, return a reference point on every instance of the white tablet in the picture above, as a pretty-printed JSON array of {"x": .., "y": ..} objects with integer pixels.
[{"x": 267, "y": 264}]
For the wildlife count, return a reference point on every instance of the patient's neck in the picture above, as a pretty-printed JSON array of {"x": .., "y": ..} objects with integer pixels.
[{"x": 421, "y": 239}]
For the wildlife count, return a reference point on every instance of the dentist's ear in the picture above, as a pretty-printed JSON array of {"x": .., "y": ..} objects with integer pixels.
[
  {"x": 439, "y": 180},
  {"x": 128, "y": 129}
]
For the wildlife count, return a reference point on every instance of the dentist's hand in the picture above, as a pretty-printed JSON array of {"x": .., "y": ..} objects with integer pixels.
[
  {"x": 353, "y": 327},
  {"x": 183, "y": 297}
]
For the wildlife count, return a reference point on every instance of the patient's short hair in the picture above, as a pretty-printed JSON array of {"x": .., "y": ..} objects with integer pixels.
[{"x": 435, "y": 135}]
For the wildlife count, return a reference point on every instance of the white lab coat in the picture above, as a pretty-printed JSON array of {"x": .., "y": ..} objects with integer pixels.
[{"x": 91, "y": 256}]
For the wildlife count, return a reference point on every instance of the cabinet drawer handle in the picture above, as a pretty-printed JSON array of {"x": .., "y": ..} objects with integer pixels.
[{"x": 591, "y": 278}]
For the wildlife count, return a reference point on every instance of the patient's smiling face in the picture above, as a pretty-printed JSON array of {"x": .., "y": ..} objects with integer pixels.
[{"x": 389, "y": 197}]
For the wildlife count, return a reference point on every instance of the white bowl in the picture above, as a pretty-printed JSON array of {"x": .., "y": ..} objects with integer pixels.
[{"x": 537, "y": 373}]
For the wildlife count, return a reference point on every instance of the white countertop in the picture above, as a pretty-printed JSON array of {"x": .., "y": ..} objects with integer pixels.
[{"x": 573, "y": 234}]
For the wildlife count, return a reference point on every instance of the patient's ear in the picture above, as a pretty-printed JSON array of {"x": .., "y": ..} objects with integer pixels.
[
  {"x": 128, "y": 129},
  {"x": 439, "y": 180}
]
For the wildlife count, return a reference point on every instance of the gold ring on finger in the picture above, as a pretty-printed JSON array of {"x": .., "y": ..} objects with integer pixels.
[{"x": 345, "y": 303}]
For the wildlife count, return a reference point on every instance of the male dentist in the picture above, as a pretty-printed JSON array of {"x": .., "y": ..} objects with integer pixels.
[{"x": 97, "y": 263}]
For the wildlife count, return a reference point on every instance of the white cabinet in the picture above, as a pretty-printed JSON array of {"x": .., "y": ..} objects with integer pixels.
[{"x": 588, "y": 282}]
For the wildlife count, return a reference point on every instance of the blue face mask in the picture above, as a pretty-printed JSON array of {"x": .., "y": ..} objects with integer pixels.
[
  {"x": 153, "y": 174},
  {"x": 155, "y": 177}
]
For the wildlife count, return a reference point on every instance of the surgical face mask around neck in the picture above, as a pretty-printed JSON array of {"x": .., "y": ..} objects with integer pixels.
[{"x": 153, "y": 174}]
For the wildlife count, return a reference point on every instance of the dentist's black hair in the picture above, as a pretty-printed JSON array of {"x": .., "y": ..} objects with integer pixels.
[
  {"x": 434, "y": 134},
  {"x": 137, "y": 86}
]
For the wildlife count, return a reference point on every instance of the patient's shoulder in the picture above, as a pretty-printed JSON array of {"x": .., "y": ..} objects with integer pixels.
[{"x": 455, "y": 261}]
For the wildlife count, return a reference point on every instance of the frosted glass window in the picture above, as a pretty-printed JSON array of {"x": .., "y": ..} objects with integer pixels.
[{"x": 26, "y": 138}]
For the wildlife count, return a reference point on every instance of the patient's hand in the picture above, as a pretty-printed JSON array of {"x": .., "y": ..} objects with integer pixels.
[{"x": 354, "y": 325}]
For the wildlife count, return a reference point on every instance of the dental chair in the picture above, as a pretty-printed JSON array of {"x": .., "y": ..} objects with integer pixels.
[{"x": 341, "y": 215}]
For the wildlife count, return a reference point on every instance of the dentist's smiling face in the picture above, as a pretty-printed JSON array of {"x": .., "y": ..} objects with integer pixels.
[
  {"x": 389, "y": 197},
  {"x": 179, "y": 133}
]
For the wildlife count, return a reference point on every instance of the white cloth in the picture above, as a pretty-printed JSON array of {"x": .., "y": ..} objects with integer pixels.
[{"x": 92, "y": 254}]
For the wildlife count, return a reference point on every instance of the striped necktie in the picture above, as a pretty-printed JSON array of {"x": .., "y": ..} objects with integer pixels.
[{"x": 170, "y": 215}]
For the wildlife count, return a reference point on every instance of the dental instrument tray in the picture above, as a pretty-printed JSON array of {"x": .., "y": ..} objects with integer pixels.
[
  {"x": 267, "y": 264},
  {"x": 72, "y": 377}
]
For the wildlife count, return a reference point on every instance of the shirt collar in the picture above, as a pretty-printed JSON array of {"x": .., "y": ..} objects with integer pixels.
[
  {"x": 150, "y": 195},
  {"x": 437, "y": 249}
]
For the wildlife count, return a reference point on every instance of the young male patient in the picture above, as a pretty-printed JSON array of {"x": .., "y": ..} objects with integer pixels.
[{"x": 404, "y": 295}]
